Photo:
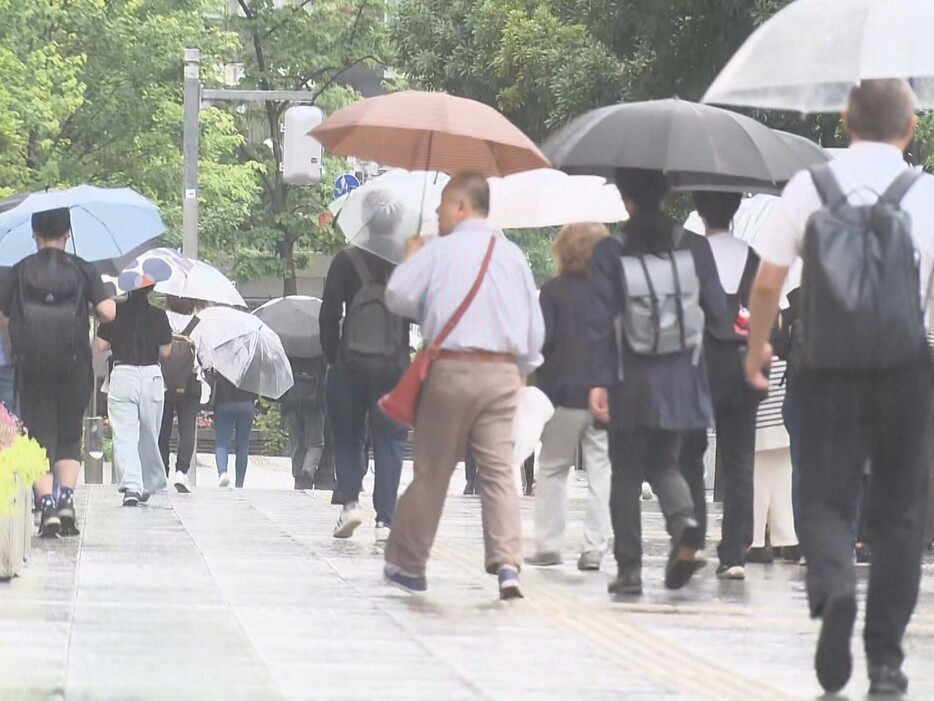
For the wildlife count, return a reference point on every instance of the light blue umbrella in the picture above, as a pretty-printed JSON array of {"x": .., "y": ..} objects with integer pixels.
[{"x": 105, "y": 222}]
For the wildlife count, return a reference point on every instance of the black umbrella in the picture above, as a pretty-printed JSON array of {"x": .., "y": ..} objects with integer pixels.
[
  {"x": 698, "y": 146},
  {"x": 295, "y": 320}
]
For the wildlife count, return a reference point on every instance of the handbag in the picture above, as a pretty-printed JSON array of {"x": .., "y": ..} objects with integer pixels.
[{"x": 400, "y": 404}]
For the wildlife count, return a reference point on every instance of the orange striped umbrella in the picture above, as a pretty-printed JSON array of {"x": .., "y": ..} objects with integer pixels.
[{"x": 430, "y": 131}]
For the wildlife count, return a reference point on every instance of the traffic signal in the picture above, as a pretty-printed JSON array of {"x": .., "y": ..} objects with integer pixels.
[{"x": 301, "y": 153}]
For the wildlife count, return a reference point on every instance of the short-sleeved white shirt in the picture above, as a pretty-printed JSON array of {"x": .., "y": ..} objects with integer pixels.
[{"x": 863, "y": 171}]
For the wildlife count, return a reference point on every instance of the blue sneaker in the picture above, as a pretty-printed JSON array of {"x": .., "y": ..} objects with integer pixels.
[
  {"x": 412, "y": 583},
  {"x": 509, "y": 583}
]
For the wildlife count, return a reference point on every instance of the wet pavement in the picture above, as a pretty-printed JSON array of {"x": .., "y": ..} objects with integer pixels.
[{"x": 245, "y": 595}]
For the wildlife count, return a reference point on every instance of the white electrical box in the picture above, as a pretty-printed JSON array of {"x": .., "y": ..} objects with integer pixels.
[{"x": 301, "y": 153}]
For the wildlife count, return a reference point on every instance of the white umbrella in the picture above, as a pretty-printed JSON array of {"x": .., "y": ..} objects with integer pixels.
[
  {"x": 749, "y": 221},
  {"x": 245, "y": 351},
  {"x": 531, "y": 199},
  {"x": 810, "y": 54},
  {"x": 205, "y": 282},
  {"x": 547, "y": 197},
  {"x": 174, "y": 274}
]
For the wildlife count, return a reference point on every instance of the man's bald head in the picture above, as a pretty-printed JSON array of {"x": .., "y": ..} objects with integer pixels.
[
  {"x": 881, "y": 110},
  {"x": 466, "y": 196},
  {"x": 474, "y": 188}
]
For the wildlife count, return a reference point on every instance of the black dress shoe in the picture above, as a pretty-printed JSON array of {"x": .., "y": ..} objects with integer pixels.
[
  {"x": 680, "y": 567},
  {"x": 885, "y": 680},
  {"x": 791, "y": 553},
  {"x": 863, "y": 554},
  {"x": 627, "y": 582},
  {"x": 834, "y": 661}
]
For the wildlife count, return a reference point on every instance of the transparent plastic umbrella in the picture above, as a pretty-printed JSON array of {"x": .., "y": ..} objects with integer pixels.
[
  {"x": 245, "y": 351},
  {"x": 809, "y": 54},
  {"x": 379, "y": 216}
]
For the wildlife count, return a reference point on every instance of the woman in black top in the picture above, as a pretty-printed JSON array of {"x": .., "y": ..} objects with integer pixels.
[
  {"x": 564, "y": 377},
  {"x": 649, "y": 401},
  {"x": 137, "y": 337}
]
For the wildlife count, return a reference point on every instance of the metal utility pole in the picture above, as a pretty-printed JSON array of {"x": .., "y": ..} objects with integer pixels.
[
  {"x": 190, "y": 153},
  {"x": 190, "y": 149}
]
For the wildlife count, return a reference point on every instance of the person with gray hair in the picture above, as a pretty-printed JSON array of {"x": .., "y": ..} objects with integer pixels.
[
  {"x": 367, "y": 350},
  {"x": 383, "y": 214},
  {"x": 855, "y": 405}
]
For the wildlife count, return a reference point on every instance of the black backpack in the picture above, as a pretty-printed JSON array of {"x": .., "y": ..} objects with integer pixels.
[
  {"x": 371, "y": 335},
  {"x": 178, "y": 369},
  {"x": 49, "y": 319},
  {"x": 725, "y": 351},
  {"x": 860, "y": 305}
]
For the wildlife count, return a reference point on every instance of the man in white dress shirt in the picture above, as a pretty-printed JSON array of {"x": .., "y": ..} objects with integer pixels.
[
  {"x": 470, "y": 393},
  {"x": 848, "y": 416}
]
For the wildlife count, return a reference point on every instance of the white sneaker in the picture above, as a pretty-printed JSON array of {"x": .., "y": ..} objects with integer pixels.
[
  {"x": 223, "y": 481},
  {"x": 349, "y": 520},
  {"x": 382, "y": 532},
  {"x": 647, "y": 493},
  {"x": 182, "y": 485}
]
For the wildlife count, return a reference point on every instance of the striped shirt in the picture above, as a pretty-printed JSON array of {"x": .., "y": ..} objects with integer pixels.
[{"x": 505, "y": 316}]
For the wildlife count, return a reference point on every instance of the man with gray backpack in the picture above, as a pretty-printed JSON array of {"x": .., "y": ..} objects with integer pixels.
[
  {"x": 864, "y": 227},
  {"x": 367, "y": 350}
]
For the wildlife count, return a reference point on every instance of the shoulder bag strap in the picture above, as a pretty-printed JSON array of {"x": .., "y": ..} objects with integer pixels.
[
  {"x": 896, "y": 192},
  {"x": 827, "y": 186},
  {"x": 191, "y": 326},
  {"x": 468, "y": 300},
  {"x": 359, "y": 265}
]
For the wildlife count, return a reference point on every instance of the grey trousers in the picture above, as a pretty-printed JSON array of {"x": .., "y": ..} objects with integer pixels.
[
  {"x": 562, "y": 434},
  {"x": 137, "y": 397}
]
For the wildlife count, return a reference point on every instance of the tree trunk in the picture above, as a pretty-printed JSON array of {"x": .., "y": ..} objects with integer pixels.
[{"x": 289, "y": 282}]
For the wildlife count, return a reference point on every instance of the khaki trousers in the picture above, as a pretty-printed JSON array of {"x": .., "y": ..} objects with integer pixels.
[{"x": 461, "y": 401}]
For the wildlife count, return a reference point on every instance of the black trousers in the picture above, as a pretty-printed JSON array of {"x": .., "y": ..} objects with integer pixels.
[
  {"x": 847, "y": 417},
  {"x": 304, "y": 418},
  {"x": 185, "y": 407},
  {"x": 736, "y": 457},
  {"x": 654, "y": 454}
]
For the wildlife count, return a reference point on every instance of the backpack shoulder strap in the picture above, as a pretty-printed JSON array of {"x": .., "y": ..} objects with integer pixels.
[
  {"x": 191, "y": 326},
  {"x": 896, "y": 192},
  {"x": 827, "y": 186},
  {"x": 359, "y": 265},
  {"x": 749, "y": 274}
]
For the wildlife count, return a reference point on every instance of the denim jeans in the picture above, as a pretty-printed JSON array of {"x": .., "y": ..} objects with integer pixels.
[
  {"x": 352, "y": 398},
  {"x": 228, "y": 418}
]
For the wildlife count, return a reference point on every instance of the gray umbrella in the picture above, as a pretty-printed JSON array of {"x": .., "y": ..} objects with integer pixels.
[
  {"x": 698, "y": 146},
  {"x": 295, "y": 320}
]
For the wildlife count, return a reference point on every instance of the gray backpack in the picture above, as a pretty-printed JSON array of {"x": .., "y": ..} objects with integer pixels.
[
  {"x": 661, "y": 302},
  {"x": 860, "y": 307},
  {"x": 371, "y": 335}
]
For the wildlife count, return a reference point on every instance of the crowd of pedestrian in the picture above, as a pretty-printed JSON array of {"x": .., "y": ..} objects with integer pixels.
[{"x": 646, "y": 338}]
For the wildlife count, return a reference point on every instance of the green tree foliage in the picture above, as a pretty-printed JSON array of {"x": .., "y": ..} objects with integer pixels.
[
  {"x": 92, "y": 93},
  {"x": 517, "y": 55},
  {"x": 301, "y": 46}
]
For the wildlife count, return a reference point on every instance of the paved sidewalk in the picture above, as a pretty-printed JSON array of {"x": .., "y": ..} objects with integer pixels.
[{"x": 244, "y": 595}]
